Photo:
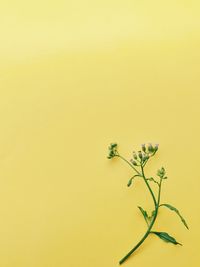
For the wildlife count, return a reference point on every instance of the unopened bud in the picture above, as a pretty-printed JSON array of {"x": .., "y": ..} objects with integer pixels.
[
  {"x": 140, "y": 154},
  {"x": 156, "y": 147},
  {"x": 143, "y": 147},
  {"x": 133, "y": 162},
  {"x": 150, "y": 147},
  {"x": 144, "y": 157},
  {"x": 134, "y": 156},
  {"x": 112, "y": 145}
]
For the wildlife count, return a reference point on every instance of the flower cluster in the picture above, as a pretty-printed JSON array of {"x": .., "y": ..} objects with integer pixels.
[
  {"x": 161, "y": 173},
  {"x": 144, "y": 154},
  {"x": 112, "y": 150}
]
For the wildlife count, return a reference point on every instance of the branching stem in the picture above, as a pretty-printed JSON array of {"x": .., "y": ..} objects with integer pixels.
[{"x": 156, "y": 204}]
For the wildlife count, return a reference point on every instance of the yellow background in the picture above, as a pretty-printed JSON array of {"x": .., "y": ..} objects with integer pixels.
[{"x": 75, "y": 76}]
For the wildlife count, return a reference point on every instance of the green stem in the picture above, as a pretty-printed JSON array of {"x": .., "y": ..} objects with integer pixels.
[
  {"x": 149, "y": 187},
  {"x": 153, "y": 220},
  {"x": 159, "y": 192},
  {"x": 142, "y": 240},
  {"x": 129, "y": 164}
]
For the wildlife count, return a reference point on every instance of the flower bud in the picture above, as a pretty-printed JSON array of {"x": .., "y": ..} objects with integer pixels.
[
  {"x": 111, "y": 154},
  {"x": 140, "y": 154},
  {"x": 133, "y": 162},
  {"x": 150, "y": 148},
  {"x": 156, "y": 147},
  {"x": 144, "y": 157},
  {"x": 161, "y": 172},
  {"x": 143, "y": 147},
  {"x": 112, "y": 145},
  {"x": 134, "y": 156}
]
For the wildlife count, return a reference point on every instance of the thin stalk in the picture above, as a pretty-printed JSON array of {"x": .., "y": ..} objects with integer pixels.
[
  {"x": 159, "y": 192},
  {"x": 153, "y": 220},
  {"x": 149, "y": 187},
  {"x": 141, "y": 241},
  {"x": 129, "y": 164}
]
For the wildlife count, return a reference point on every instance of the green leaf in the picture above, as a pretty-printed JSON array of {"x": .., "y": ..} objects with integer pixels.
[
  {"x": 145, "y": 215},
  {"x": 166, "y": 237},
  {"x": 177, "y": 212}
]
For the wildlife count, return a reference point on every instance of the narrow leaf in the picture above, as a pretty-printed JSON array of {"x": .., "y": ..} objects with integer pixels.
[
  {"x": 177, "y": 212},
  {"x": 166, "y": 237},
  {"x": 145, "y": 215}
]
